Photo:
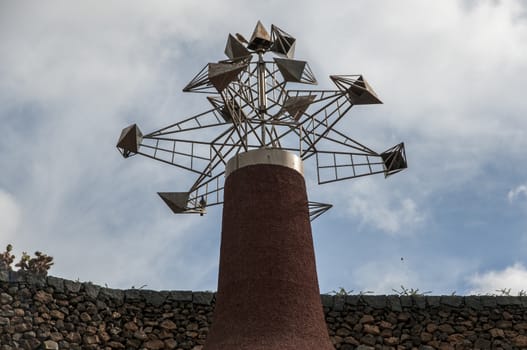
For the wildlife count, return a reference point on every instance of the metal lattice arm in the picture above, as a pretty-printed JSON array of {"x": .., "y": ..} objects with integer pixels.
[
  {"x": 330, "y": 106},
  {"x": 206, "y": 158},
  {"x": 217, "y": 116},
  {"x": 189, "y": 155},
  {"x": 340, "y": 165},
  {"x": 337, "y": 166}
]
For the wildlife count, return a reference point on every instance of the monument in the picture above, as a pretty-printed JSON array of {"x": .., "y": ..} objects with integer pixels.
[{"x": 248, "y": 152}]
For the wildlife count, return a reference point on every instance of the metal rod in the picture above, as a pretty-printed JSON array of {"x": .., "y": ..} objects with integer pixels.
[{"x": 262, "y": 96}]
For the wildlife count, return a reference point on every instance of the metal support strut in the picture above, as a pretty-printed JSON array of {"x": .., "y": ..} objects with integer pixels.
[{"x": 262, "y": 96}]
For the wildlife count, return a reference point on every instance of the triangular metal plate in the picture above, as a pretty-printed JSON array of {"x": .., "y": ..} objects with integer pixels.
[
  {"x": 225, "y": 112},
  {"x": 283, "y": 43},
  {"x": 200, "y": 83},
  {"x": 291, "y": 69},
  {"x": 176, "y": 201},
  {"x": 295, "y": 71},
  {"x": 358, "y": 89},
  {"x": 129, "y": 141},
  {"x": 222, "y": 74},
  {"x": 260, "y": 40},
  {"x": 394, "y": 160},
  {"x": 297, "y": 105},
  {"x": 217, "y": 102},
  {"x": 235, "y": 49}
]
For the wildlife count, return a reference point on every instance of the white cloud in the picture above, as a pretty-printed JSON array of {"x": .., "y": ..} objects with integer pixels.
[
  {"x": 379, "y": 205},
  {"x": 512, "y": 277},
  {"x": 516, "y": 193},
  {"x": 9, "y": 217},
  {"x": 389, "y": 217}
]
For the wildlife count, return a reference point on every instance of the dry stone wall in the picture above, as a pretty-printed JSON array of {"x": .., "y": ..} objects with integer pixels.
[
  {"x": 54, "y": 313},
  {"x": 426, "y": 322}
]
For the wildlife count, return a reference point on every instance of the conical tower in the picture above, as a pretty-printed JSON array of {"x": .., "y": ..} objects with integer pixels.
[{"x": 268, "y": 295}]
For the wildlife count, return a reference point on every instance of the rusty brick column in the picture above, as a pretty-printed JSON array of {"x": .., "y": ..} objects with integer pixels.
[{"x": 268, "y": 296}]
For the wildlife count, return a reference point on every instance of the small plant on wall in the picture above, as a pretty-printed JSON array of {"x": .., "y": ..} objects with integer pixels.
[
  {"x": 38, "y": 265},
  {"x": 6, "y": 258},
  {"x": 410, "y": 291}
]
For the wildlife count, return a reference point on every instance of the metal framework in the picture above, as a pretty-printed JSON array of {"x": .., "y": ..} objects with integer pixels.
[{"x": 253, "y": 106}]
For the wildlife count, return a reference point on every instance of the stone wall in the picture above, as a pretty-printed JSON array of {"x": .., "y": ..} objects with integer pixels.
[
  {"x": 53, "y": 313},
  {"x": 426, "y": 322}
]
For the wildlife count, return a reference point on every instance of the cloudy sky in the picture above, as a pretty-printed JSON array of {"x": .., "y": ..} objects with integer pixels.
[{"x": 452, "y": 76}]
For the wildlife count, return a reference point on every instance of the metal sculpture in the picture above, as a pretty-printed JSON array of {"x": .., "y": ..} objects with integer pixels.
[
  {"x": 253, "y": 107},
  {"x": 248, "y": 152}
]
